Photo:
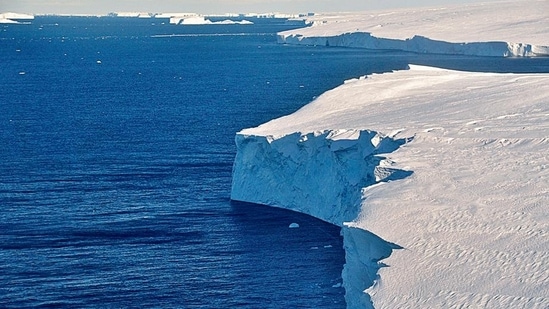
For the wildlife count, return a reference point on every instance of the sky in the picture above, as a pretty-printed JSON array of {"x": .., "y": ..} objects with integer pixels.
[{"x": 208, "y": 6}]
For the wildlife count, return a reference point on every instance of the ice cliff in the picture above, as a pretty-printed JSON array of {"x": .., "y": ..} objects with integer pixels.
[
  {"x": 500, "y": 29},
  {"x": 319, "y": 173},
  {"x": 419, "y": 44},
  {"x": 455, "y": 173},
  {"x": 322, "y": 174}
]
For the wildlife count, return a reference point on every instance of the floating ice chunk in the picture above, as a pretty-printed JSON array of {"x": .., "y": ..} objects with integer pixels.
[{"x": 294, "y": 225}]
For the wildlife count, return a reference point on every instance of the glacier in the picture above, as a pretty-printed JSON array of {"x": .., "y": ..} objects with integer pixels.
[{"x": 438, "y": 178}]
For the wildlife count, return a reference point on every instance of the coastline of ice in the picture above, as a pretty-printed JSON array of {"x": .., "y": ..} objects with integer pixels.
[
  {"x": 438, "y": 178},
  {"x": 456, "y": 174},
  {"x": 499, "y": 29}
]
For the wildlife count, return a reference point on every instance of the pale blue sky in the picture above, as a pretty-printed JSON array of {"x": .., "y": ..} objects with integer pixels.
[{"x": 209, "y": 6}]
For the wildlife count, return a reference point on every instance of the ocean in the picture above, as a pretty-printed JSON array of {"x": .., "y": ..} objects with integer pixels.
[{"x": 117, "y": 145}]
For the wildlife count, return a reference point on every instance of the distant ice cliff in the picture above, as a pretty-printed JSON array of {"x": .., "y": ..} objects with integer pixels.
[
  {"x": 419, "y": 44},
  {"x": 504, "y": 29}
]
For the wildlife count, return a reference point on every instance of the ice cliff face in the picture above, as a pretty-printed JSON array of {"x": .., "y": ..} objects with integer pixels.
[
  {"x": 418, "y": 44},
  {"x": 322, "y": 174},
  {"x": 514, "y": 28}
]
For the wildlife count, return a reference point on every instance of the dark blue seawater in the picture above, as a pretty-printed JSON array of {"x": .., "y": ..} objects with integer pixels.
[{"x": 117, "y": 144}]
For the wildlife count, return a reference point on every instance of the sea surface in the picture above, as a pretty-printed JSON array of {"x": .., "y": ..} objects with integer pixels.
[{"x": 116, "y": 152}]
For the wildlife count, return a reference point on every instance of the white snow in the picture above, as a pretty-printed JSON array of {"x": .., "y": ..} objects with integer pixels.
[
  {"x": 439, "y": 178},
  {"x": 517, "y": 28}
]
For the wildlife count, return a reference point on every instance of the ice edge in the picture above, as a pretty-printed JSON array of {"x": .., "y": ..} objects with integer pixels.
[
  {"x": 323, "y": 174},
  {"x": 417, "y": 44}
]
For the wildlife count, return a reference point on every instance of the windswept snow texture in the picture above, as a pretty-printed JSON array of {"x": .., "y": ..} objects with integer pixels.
[
  {"x": 465, "y": 194},
  {"x": 518, "y": 28}
]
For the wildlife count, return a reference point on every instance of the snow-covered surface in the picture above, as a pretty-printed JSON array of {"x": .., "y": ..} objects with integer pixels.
[
  {"x": 455, "y": 171},
  {"x": 517, "y": 28}
]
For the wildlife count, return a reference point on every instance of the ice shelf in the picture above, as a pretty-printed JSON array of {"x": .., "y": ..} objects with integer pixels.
[{"x": 456, "y": 173}]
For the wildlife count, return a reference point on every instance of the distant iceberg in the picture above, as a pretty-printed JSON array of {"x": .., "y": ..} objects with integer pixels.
[
  {"x": 132, "y": 14},
  {"x": 201, "y": 20},
  {"x": 14, "y": 18},
  {"x": 232, "y": 22}
]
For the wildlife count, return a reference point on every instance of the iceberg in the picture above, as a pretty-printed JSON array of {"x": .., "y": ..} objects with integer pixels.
[
  {"x": 487, "y": 29},
  {"x": 442, "y": 206},
  {"x": 132, "y": 14},
  {"x": 201, "y": 20},
  {"x": 14, "y": 18}
]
